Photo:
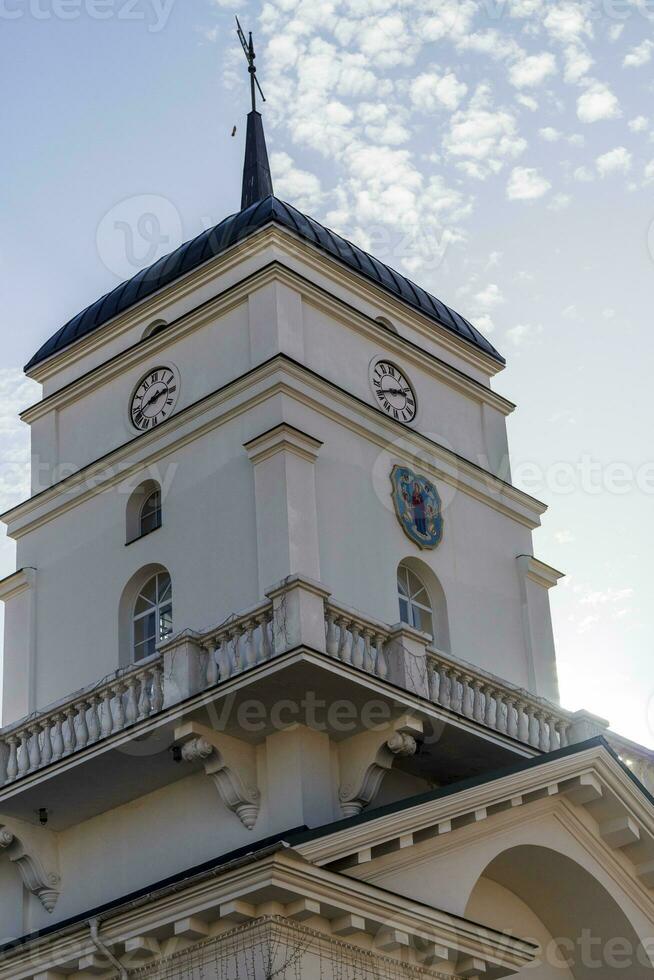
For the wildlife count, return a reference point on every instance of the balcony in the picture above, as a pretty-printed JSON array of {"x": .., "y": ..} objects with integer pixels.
[{"x": 297, "y": 615}]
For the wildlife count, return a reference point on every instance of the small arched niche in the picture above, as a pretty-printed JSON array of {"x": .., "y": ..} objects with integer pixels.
[
  {"x": 145, "y": 613},
  {"x": 385, "y": 322},
  {"x": 582, "y": 931},
  {"x": 422, "y": 601},
  {"x": 144, "y": 511},
  {"x": 154, "y": 328}
]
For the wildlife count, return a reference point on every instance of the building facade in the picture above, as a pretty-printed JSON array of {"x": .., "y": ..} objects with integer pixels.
[{"x": 280, "y": 692}]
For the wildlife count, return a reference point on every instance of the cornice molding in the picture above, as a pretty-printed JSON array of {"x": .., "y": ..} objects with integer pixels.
[
  {"x": 540, "y": 573},
  {"x": 14, "y": 585},
  {"x": 372, "y": 424},
  {"x": 156, "y": 305}
]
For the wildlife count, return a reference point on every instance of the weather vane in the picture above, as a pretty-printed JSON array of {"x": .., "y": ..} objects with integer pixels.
[{"x": 248, "y": 47}]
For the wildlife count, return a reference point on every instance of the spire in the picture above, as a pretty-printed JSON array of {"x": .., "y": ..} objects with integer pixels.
[{"x": 257, "y": 180}]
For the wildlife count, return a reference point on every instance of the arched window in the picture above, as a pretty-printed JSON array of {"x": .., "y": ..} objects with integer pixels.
[
  {"x": 150, "y": 516},
  {"x": 144, "y": 513},
  {"x": 152, "y": 620},
  {"x": 415, "y": 604}
]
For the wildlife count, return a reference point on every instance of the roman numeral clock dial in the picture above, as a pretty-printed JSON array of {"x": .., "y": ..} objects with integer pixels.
[
  {"x": 393, "y": 391},
  {"x": 154, "y": 399}
]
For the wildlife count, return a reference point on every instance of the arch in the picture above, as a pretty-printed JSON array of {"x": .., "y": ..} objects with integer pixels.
[
  {"x": 589, "y": 934},
  {"x": 153, "y": 328},
  {"x": 127, "y": 608},
  {"x": 385, "y": 322},
  {"x": 144, "y": 510},
  {"x": 437, "y": 600}
]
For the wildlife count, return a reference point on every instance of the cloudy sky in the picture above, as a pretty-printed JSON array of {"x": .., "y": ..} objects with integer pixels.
[{"x": 501, "y": 152}]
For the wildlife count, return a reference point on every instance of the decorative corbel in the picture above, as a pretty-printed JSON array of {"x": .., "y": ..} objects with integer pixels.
[
  {"x": 367, "y": 757},
  {"x": 35, "y": 853},
  {"x": 231, "y": 764}
]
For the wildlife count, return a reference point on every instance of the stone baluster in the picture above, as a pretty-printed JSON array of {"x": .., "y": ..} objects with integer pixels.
[
  {"x": 12, "y": 761},
  {"x": 213, "y": 672},
  {"x": 467, "y": 706},
  {"x": 490, "y": 707},
  {"x": 523, "y": 722},
  {"x": 444, "y": 686},
  {"x": 332, "y": 634},
  {"x": 368, "y": 659},
  {"x": 249, "y": 648},
  {"x": 544, "y": 731},
  {"x": 82, "y": 736},
  {"x": 478, "y": 701},
  {"x": 512, "y": 716},
  {"x": 357, "y": 650},
  {"x": 501, "y": 713},
  {"x": 225, "y": 666},
  {"x": 237, "y": 653},
  {"x": 144, "y": 699},
  {"x": 157, "y": 698},
  {"x": 94, "y": 717},
  {"x": 46, "y": 745},
  {"x": 554, "y": 737},
  {"x": 563, "y": 733},
  {"x": 119, "y": 708},
  {"x": 458, "y": 691},
  {"x": 106, "y": 716},
  {"x": 69, "y": 730},
  {"x": 265, "y": 648},
  {"x": 381, "y": 664},
  {"x": 131, "y": 706},
  {"x": 534, "y": 734},
  {"x": 58, "y": 748},
  {"x": 33, "y": 747},
  {"x": 343, "y": 640}
]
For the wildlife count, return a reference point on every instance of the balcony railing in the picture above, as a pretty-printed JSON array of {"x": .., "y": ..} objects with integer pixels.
[{"x": 255, "y": 636}]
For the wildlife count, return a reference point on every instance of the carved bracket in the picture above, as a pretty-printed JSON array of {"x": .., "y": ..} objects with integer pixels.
[
  {"x": 35, "y": 853},
  {"x": 230, "y": 763},
  {"x": 367, "y": 757}
]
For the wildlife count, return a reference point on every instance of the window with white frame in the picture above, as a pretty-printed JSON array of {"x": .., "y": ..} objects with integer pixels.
[
  {"x": 150, "y": 516},
  {"x": 415, "y": 604},
  {"x": 152, "y": 621}
]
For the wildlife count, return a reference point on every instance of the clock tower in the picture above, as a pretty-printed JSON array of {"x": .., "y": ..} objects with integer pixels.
[{"x": 280, "y": 692}]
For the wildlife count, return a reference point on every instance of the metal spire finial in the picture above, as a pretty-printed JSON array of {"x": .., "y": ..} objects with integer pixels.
[{"x": 248, "y": 48}]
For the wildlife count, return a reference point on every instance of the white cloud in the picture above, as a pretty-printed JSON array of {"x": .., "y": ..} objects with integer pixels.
[
  {"x": 583, "y": 174},
  {"x": 577, "y": 64},
  {"x": 608, "y": 313},
  {"x": 522, "y": 333},
  {"x": 564, "y": 537},
  {"x": 483, "y": 133},
  {"x": 560, "y": 202},
  {"x": 549, "y": 134},
  {"x": 527, "y": 101},
  {"x": 488, "y": 298},
  {"x": 532, "y": 70},
  {"x": 638, "y": 124},
  {"x": 567, "y": 21},
  {"x": 648, "y": 172},
  {"x": 526, "y": 184},
  {"x": 597, "y": 102},
  {"x": 640, "y": 55},
  {"x": 430, "y": 91},
  {"x": 615, "y": 161},
  {"x": 298, "y": 186},
  {"x": 615, "y": 31},
  {"x": 484, "y": 323}
]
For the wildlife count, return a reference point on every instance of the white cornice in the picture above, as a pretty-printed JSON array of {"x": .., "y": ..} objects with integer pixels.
[
  {"x": 156, "y": 305},
  {"x": 280, "y": 375},
  {"x": 20, "y": 581},
  {"x": 232, "y": 298}
]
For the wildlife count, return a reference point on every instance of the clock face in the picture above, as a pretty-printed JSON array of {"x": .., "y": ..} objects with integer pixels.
[
  {"x": 393, "y": 391},
  {"x": 154, "y": 399}
]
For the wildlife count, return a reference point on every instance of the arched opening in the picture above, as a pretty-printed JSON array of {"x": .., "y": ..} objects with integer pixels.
[
  {"x": 385, "y": 322},
  {"x": 422, "y": 602},
  {"x": 144, "y": 511},
  {"x": 153, "y": 328},
  {"x": 546, "y": 897},
  {"x": 146, "y": 613}
]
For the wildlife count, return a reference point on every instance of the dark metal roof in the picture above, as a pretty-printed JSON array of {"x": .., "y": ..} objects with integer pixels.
[
  {"x": 236, "y": 228},
  {"x": 257, "y": 179}
]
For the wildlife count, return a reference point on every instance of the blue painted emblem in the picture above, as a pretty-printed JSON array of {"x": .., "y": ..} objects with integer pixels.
[{"x": 418, "y": 507}]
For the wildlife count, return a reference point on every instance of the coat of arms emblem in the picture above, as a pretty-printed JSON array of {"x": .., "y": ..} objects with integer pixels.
[{"x": 418, "y": 507}]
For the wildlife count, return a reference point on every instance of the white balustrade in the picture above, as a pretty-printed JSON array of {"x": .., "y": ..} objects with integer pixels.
[
  {"x": 244, "y": 642},
  {"x": 110, "y": 707},
  {"x": 356, "y": 641}
]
